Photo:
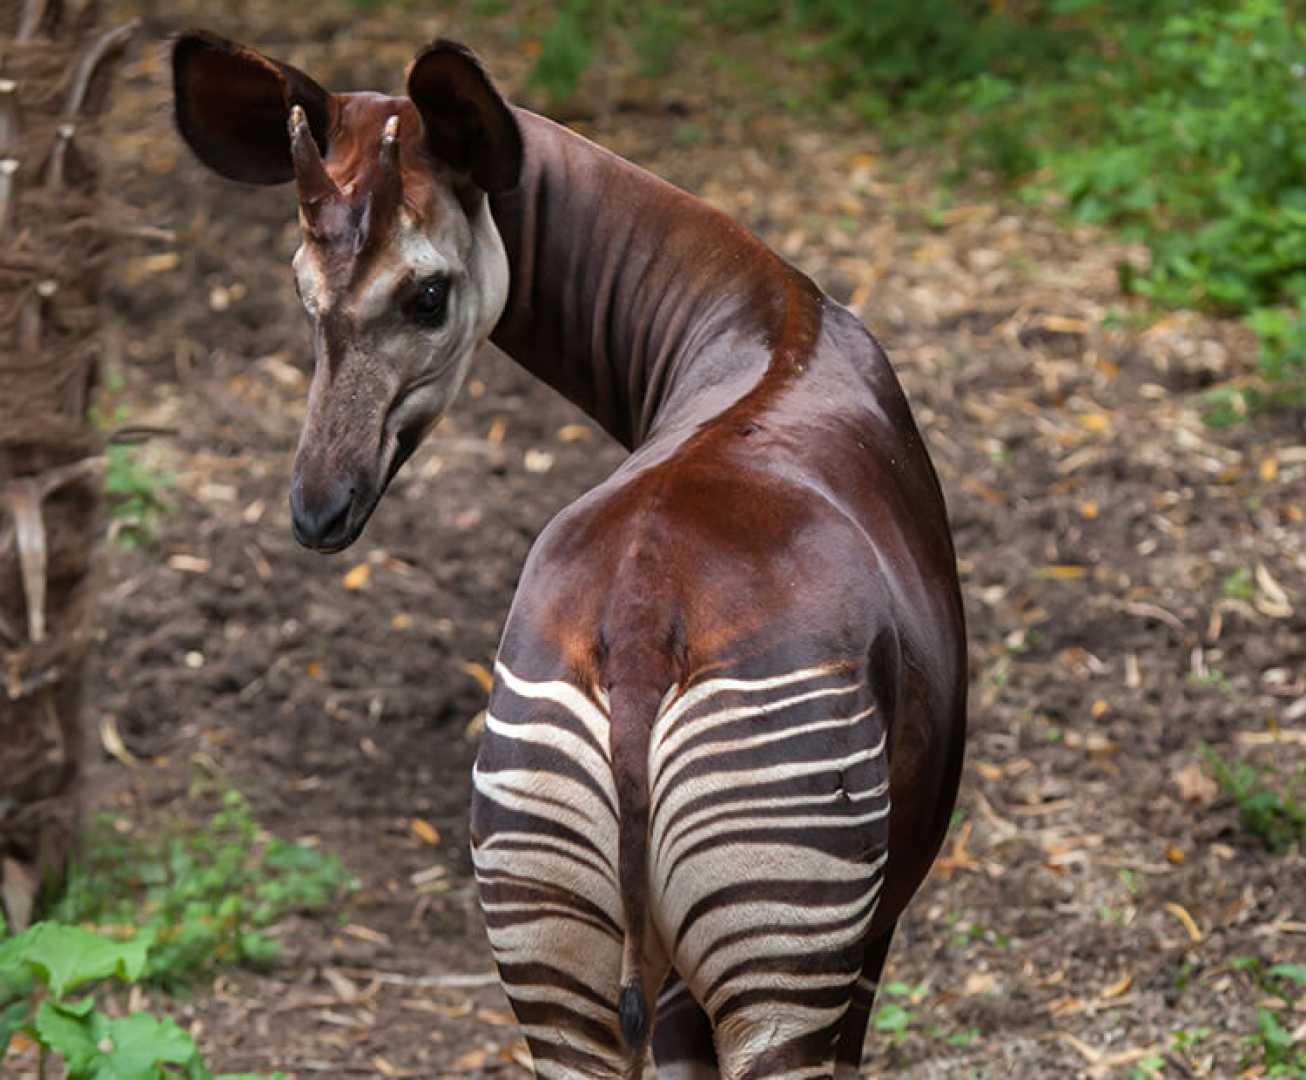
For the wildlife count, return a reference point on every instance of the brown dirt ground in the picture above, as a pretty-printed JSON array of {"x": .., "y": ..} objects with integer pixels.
[{"x": 1096, "y": 888}]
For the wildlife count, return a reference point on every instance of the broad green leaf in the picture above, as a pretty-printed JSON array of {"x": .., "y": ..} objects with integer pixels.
[
  {"x": 138, "y": 1044},
  {"x": 70, "y": 1035},
  {"x": 1295, "y": 972},
  {"x": 12, "y": 1018},
  {"x": 65, "y": 957}
]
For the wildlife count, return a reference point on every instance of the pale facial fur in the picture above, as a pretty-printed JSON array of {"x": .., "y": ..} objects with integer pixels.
[{"x": 379, "y": 373}]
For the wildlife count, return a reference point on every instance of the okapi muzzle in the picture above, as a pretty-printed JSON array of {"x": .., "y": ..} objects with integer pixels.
[{"x": 401, "y": 271}]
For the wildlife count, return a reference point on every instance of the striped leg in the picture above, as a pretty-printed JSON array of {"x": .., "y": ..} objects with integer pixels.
[
  {"x": 544, "y": 829},
  {"x": 769, "y": 811},
  {"x": 682, "y": 1037},
  {"x": 852, "y": 1036}
]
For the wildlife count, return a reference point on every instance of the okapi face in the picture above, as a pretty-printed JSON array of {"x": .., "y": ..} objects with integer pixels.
[{"x": 401, "y": 270}]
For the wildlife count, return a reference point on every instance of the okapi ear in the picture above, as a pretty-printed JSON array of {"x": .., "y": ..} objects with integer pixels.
[
  {"x": 233, "y": 104},
  {"x": 468, "y": 124}
]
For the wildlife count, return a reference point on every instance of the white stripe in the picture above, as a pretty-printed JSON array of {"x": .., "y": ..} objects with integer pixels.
[
  {"x": 700, "y": 692},
  {"x": 697, "y": 786},
  {"x": 747, "y": 742},
  {"x": 564, "y": 694},
  {"x": 661, "y": 747},
  {"x": 546, "y": 733},
  {"x": 564, "y": 800}
]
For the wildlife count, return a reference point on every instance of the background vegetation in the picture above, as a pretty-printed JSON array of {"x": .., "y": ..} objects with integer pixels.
[{"x": 1182, "y": 124}]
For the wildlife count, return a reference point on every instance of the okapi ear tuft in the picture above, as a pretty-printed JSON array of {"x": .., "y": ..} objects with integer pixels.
[
  {"x": 468, "y": 124},
  {"x": 233, "y": 104}
]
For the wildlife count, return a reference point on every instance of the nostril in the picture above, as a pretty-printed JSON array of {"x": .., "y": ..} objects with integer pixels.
[
  {"x": 335, "y": 522},
  {"x": 321, "y": 522}
]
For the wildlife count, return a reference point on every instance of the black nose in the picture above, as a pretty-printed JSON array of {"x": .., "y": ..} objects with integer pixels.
[{"x": 321, "y": 522}]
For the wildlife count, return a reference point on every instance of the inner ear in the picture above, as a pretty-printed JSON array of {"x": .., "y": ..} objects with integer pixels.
[
  {"x": 468, "y": 124},
  {"x": 233, "y": 103}
]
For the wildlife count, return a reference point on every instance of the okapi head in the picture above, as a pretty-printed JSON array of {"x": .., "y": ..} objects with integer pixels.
[{"x": 401, "y": 270}]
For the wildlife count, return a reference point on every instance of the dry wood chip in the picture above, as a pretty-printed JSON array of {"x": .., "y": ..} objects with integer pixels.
[
  {"x": 190, "y": 564},
  {"x": 473, "y": 1059},
  {"x": 386, "y": 1069},
  {"x": 570, "y": 433},
  {"x": 136, "y": 270},
  {"x": 1035, "y": 809},
  {"x": 1194, "y": 785},
  {"x": 435, "y": 872},
  {"x": 358, "y": 577},
  {"x": 1061, "y": 572},
  {"x": 453, "y": 1010},
  {"x": 329, "y": 1016},
  {"x": 1270, "y": 598},
  {"x": 345, "y": 988},
  {"x": 958, "y": 858},
  {"x": 366, "y": 933},
  {"x": 979, "y": 982},
  {"x": 1154, "y": 611},
  {"x": 424, "y": 831},
  {"x": 111, "y": 740},
  {"x": 1117, "y": 988},
  {"x": 1189, "y": 923},
  {"x": 1269, "y": 738},
  {"x": 1119, "y": 1060}
]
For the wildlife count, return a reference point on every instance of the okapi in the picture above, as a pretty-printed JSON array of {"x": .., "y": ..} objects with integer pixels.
[{"x": 725, "y": 733}]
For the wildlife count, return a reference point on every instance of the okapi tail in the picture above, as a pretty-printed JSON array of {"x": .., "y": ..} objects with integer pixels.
[
  {"x": 633, "y": 711},
  {"x": 633, "y": 1011}
]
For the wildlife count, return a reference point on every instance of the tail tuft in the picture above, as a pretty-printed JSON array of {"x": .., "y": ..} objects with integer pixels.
[{"x": 633, "y": 1012}]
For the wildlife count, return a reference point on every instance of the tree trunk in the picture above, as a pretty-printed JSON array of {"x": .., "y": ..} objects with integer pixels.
[{"x": 53, "y": 76}]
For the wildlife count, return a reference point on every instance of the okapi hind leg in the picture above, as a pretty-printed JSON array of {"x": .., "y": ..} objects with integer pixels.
[
  {"x": 682, "y": 1036},
  {"x": 852, "y": 1035}
]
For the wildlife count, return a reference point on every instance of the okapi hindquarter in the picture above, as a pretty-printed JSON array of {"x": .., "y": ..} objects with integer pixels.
[{"x": 725, "y": 732}]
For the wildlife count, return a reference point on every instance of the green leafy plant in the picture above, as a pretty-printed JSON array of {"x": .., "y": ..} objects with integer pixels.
[
  {"x": 134, "y": 493},
  {"x": 39, "y": 971},
  {"x": 203, "y": 899},
  {"x": 892, "y": 1018},
  {"x": 1239, "y": 586},
  {"x": 1182, "y": 125},
  {"x": 1280, "y": 1053},
  {"x": 1271, "y": 812}
]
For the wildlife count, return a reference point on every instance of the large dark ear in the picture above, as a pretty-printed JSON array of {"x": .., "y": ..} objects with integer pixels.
[
  {"x": 468, "y": 124},
  {"x": 233, "y": 104}
]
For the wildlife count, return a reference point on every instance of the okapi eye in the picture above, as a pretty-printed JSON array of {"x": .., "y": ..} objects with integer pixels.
[{"x": 428, "y": 302}]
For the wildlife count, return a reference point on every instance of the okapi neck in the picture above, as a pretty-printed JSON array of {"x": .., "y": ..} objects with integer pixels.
[{"x": 629, "y": 296}]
